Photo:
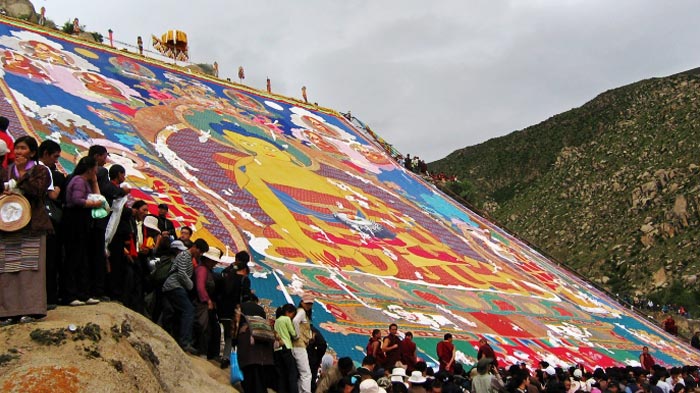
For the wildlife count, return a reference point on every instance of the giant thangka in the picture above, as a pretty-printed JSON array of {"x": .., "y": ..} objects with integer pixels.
[{"x": 320, "y": 206}]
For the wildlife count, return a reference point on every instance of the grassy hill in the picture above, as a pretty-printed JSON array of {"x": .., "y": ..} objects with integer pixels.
[{"x": 611, "y": 188}]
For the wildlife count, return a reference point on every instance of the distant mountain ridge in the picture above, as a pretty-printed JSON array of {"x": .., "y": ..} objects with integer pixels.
[{"x": 611, "y": 188}]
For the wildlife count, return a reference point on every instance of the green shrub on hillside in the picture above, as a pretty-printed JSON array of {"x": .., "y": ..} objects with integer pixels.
[
  {"x": 598, "y": 186},
  {"x": 67, "y": 27}
]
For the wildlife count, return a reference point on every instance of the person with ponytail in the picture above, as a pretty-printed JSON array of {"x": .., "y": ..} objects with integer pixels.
[{"x": 77, "y": 216}]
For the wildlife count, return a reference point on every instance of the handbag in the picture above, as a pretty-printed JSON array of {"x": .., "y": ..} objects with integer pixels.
[
  {"x": 260, "y": 329},
  {"x": 54, "y": 210},
  {"x": 236, "y": 373}
]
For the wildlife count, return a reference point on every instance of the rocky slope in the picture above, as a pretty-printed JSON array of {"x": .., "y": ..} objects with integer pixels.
[
  {"x": 21, "y": 9},
  {"x": 109, "y": 348},
  {"x": 611, "y": 188}
]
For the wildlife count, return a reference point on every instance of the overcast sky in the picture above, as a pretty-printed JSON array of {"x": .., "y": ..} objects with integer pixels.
[{"x": 428, "y": 76}]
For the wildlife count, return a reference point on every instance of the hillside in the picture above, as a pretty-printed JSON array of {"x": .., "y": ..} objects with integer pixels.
[{"x": 610, "y": 188}]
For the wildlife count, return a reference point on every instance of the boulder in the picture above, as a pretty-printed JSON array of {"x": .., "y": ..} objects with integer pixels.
[
  {"x": 662, "y": 176},
  {"x": 102, "y": 348},
  {"x": 690, "y": 279},
  {"x": 649, "y": 187},
  {"x": 667, "y": 230},
  {"x": 87, "y": 36},
  {"x": 659, "y": 278},
  {"x": 21, "y": 9},
  {"x": 647, "y": 228},
  {"x": 680, "y": 211}
]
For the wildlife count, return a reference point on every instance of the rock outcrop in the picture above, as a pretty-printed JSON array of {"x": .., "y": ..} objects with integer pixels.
[
  {"x": 20, "y": 9},
  {"x": 103, "y": 348}
]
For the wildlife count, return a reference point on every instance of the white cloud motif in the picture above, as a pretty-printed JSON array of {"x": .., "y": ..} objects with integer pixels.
[{"x": 53, "y": 113}]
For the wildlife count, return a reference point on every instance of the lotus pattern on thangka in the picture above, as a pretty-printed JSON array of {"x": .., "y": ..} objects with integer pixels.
[{"x": 319, "y": 205}]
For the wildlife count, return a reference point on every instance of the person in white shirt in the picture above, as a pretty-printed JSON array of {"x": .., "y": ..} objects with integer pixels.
[
  {"x": 302, "y": 325},
  {"x": 664, "y": 385}
]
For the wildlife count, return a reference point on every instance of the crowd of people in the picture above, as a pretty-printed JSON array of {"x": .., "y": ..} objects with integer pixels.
[
  {"x": 378, "y": 374},
  {"x": 414, "y": 164},
  {"x": 83, "y": 245},
  {"x": 649, "y": 305}
]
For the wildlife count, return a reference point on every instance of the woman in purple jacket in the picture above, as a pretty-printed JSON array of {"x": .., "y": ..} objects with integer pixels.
[{"x": 78, "y": 221}]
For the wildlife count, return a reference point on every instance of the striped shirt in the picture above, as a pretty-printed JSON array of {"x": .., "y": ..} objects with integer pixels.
[{"x": 180, "y": 273}]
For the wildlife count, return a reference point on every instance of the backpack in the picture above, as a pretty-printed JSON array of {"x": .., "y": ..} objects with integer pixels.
[
  {"x": 162, "y": 271},
  {"x": 260, "y": 329}
]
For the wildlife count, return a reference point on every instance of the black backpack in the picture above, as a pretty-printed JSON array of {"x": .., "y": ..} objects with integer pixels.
[{"x": 162, "y": 271}]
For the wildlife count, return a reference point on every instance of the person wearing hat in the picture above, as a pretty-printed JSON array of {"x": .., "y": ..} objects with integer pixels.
[
  {"x": 9, "y": 143},
  {"x": 23, "y": 285},
  {"x": 370, "y": 386},
  {"x": 398, "y": 374},
  {"x": 484, "y": 382},
  {"x": 233, "y": 288},
  {"x": 151, "y": 242},
  {"x": 151, "y": 235},
  {"x": 166, "y": 253},
  {"x": 551, "y": 380},
  {"x": 302, "y": 325},
  {"x": 416, "y": 382},
  {"x": 175, "y": 289},
  {"x": 576, "y": 381},
  {"x": 548, "y": 369},
  {"x": 207, "y": 324}
]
